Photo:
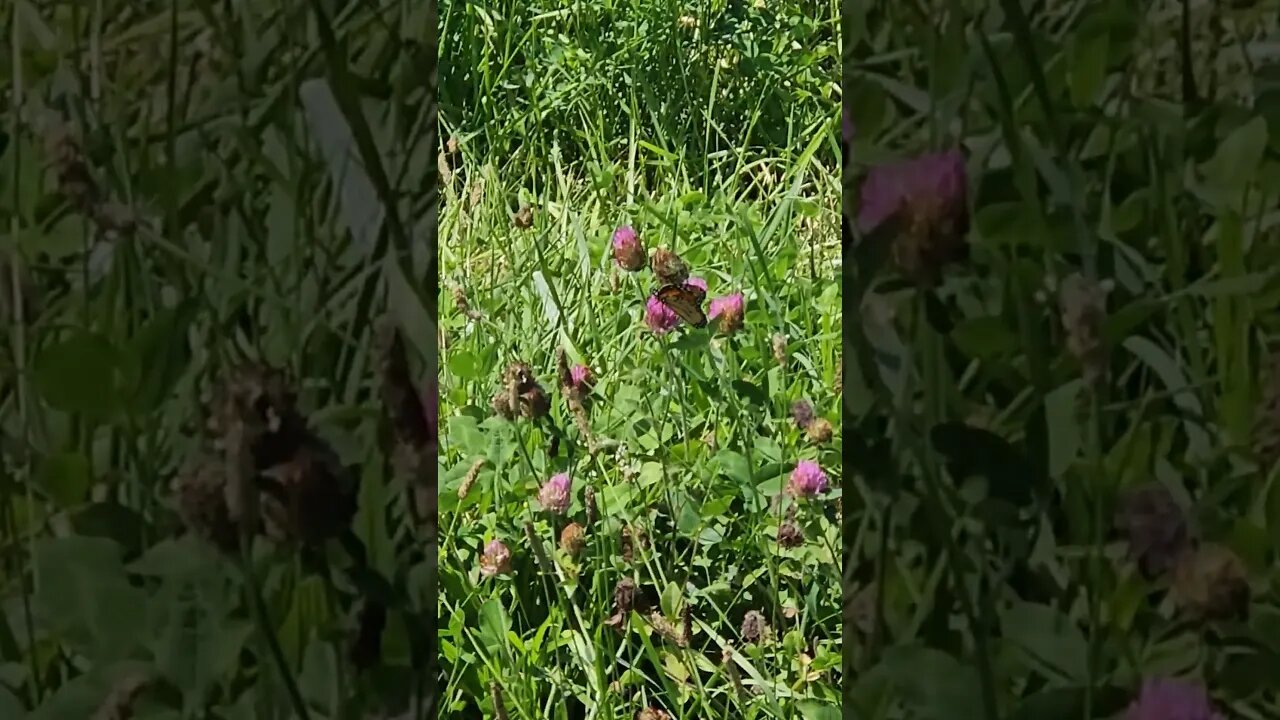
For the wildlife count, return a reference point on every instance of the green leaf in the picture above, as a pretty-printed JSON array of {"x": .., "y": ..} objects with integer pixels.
[
  {"x": 82, "y": 373},
  {"x": 82, "y": 594},
  {"x": 10, "y": 706},
  {"x": 162, "y": 353},
  {"x": 1236, "y": 163},
  {"x": 66, "y": 478},
  {"x": 1064, "y": 427},
  {"x": 1049, "y": 637},
  {"x": 494, "y": 625}
]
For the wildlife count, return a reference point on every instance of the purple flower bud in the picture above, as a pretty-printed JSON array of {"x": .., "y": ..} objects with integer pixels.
[{"x": 729, "y": 311}]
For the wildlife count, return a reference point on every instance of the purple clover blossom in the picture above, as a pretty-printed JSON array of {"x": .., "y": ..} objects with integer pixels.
[
  {"x": 697, "y": 282},
  {"x": 931, "y": 182},
  {"x": 628, "y": 251},
  {"x": 580, "y": 376},
  {"x": 807, "y": 480},
  {"x": 660, "y": 318},
  {"x": 1169, "y": 699},
  {"x": 554, "y": 496},
  {"x": 729, "y": 310}
]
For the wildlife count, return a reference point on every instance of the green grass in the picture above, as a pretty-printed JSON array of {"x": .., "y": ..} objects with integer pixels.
[
  {"x": 248, "y": 244},
  {"x": 1138, "y": 147},
  {"x": 598, "y": 116}
]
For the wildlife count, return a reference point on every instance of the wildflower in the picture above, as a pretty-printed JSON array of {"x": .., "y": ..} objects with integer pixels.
[
  {"x": 1155, "y": 527},
  {"x": 524, "y": 218},
  {"x": 695, "y": 281},
  {"x": 1083, "y": 305},
  {"x": 820, "y": 430},
  {"x": 580, "y": 375},
  {"x": 534, "y": 403},
  {"x": 802, "y": 413},
  {"x": 779, "y": 343},
  {"x": 754, "y": 627},
  {"x": 660, "y": 318},
  {"x": 790, "y": 535},
  {"x": 554, "y": 495},
  {"x": 729, "y": 310},
  {"x": 929, "y": 196},
  {"x": 669, "y": 268},
  {"x": 572, "y": 539},
  {"x": 496, "y": 559},
  {"x": 807, "y": 479},
  {"x": 628, "y": 251},
  {"x": 1210, "y": 583},
  {"x": 1169, "y": 699},
  {"x": 652, "y": 713}
]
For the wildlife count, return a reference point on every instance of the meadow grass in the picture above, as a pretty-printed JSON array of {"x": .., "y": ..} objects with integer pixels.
[
  {"x": 1068, "y": 443},
  {"x": 189, "y": 188},
  {"x": 710, "y": 132}
]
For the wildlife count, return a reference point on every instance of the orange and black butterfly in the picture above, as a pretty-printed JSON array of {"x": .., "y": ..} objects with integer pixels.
[{"x": 686, "y": 301}]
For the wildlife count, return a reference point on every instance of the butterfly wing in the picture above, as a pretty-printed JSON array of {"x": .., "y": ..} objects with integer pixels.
[{"x": 685, "y": 301}]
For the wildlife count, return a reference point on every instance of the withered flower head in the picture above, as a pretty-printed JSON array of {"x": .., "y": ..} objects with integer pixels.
[
  {"x": 820, "y": 430},
  {"x": 779, "y": 343},
  {"x": 802, "y": 413},
  {"x": 754, "y": 627},
  {"x": 524, "y": 218},
  {"x": 790, "y": 535},
  {"x": 1154, "y": 526},
  {"x": 310, "y": 497},
  {"x": 652, "y": 713},
  {"x": 1083, "y": 304},
  {"x": 668, "y": 267},
  {"x": 572, "y": 539},
  {"x": 496, "y": 559},
  {"x": 1211, "y": 584},
  {"x": 201, "y": 493}
]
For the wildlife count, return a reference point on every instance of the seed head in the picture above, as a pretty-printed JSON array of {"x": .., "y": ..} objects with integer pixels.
[{"x": 779, "y": 343}]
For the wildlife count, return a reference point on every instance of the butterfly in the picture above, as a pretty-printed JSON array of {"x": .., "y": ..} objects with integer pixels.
[{"x": 686, "y": 301}]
